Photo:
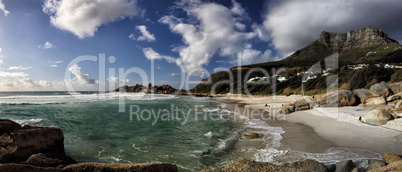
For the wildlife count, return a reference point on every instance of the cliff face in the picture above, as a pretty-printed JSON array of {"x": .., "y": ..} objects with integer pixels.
[{"x": 359, "y": 38}]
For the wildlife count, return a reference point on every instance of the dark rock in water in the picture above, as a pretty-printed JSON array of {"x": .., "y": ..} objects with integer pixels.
[
  {"x": 129, "y": 167},
  {"x": 375, "y": 164},
  {"x": 391, "y": 157},
  {"x": 381, "y": 89},
  {"x": 253, "y": 136},
  {"x": 339, "y": 98},
  {"x": 49, "y": 160},
  {"x": 7, "y": 125},
  {"x": 345, "y": 166},
  {"x": 17, "y": 146},
  {"x": 307, "y": 165},
  {"x": 364, "y": 94}
]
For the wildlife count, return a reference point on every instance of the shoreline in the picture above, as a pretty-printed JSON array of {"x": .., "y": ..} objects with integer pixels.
[{"x": 315, "y": 133}]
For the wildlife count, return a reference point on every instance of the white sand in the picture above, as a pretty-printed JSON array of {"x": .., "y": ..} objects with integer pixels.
[{"x": 339, "y": 125}]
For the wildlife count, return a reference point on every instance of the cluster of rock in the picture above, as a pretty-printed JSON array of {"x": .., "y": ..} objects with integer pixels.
[
  {"x": 392, "y": 162},
  {"x": 32, "y": 148},
  {"x": 379, "y": 96},
  {"x": 164, "y": 89}
]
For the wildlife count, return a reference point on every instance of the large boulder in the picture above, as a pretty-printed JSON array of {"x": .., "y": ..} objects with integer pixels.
[
  {"x": 50, "y": 160},
  {"x": 17, "y": 146},
  {"x": 301, "y": 105},
  {"x": 307, "y": 165},
  {"x": 339, "y": 98},
  {"x": 375, "y": 164},
  {"x": 396, "y": 87},
  {"x": 376, "y": 101},
  {"x": 377, "y": 116},
  {"x": 394, "y": 97},
  {"x": 364, "y": 94},
  {"x": 345, "y": 166},
  {"x": 7, "y": 125},
  {"x": 286, "y": 109},
  {"x": 391, "y": 157},
  {"x": 381, "y": 89}
]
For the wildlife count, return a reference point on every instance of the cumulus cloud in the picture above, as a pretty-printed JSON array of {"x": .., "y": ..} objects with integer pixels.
[
  {"x": 211, "y": 29},
  {"x": 81, "y": 77},
  {"x": 153, "y": 55},
  {"x": 47, "y": 45},
  {"x": 18, "y": 68},
  {"x": 83, "y": 17},
  {"x": 293, "y": 24},
  {"x": 3, "y": 8},
  {"x": 146, "y": 36}
]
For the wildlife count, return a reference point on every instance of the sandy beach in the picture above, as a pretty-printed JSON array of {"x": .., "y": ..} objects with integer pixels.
[{"x": 326, "y": 134}]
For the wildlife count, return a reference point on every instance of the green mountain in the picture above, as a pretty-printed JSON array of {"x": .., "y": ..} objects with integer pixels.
[{"x": 367, "y": 45}]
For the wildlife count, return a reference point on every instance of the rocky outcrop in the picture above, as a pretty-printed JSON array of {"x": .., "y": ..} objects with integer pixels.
[
  {"x": 394, "y": 97},
  {"x": 394, "y": 164},
  {"x": 41, "y": 149},
  {"x": 49, "y": 160},
  {"x": 251, "y": 136},
  {"x": 364, "y": 94},
  {"x": 129, "y": 167},
  {"x": 7, "y": 125},
  {"x": 17, "y": 146},
  {"x": 381, "y": 89},
  {"x": 396, "y": 87},
  {"x": 373, "y": 164},
  {"x": 376, "y": 117},
  {"x": 391, "y": 157},
  {"x": 359, "y": 38},
  {"x": 133, "y": 89},
  {"x": 243, "y": 164},
  {"x": 164, "y": 89},
  {"x": 339, "y": 98}
]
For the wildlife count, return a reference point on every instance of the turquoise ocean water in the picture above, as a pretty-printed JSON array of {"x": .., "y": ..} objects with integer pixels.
[{"x": 193, "y": 133}]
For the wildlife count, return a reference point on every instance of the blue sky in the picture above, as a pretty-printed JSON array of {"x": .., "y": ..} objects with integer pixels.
[{"x": 40, "y": 38}]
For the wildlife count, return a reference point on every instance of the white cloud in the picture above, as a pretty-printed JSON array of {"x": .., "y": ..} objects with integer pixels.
[
  {"x": 131, "y": 36},
  {"x": 58, "y": 62},
  {"x": 1, "y": 61},
  {"x": 83, "y": 17},
  {"x": 173, "y": 74},
  {"x": 211, "y": 29},
  {"x": 18, "y": 68},
  {"x": 4, "y": 74},
  {"x": 81, "y": 77},
  {"x": 153, "y": 55},
  {"x": 3, "y": 8},
  {"x": 0, "y": 50},
  {"x": 146, "y": 36},
  {"x": 293, "y": 24},
  {"x": 47, "y": 45},
  {"x": 53, "y": 65}
]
